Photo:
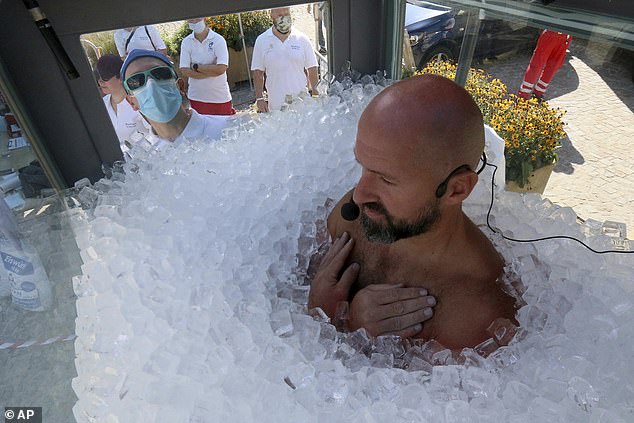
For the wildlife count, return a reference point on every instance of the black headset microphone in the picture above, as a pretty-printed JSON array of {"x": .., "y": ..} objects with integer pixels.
[{"x": 350, "y": 211}]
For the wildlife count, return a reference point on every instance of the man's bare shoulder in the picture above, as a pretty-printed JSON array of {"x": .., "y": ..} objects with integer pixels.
[{"x": 464, "y": 319}]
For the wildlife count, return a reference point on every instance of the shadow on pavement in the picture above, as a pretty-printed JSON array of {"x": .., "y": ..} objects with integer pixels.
[
  {"x": 614, "y": 65},
  {"x": 565, "y": 80},
  {"x": 568, "y": 155}
]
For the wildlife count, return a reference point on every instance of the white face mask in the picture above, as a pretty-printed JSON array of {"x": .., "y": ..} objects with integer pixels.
[
  {"x": 283, "y": 23},
  {"x": 198, "y": 26}
]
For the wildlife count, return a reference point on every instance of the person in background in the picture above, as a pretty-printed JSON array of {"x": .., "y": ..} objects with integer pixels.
[
  {"x": 154, "y": 89},
  {"x": 204, "y": 61},
  {"x": 144, "y": 37},
  {"x": 286, "y": 57},
  {"x": 125, "y": 120},
  {"x": 548, "y": 57}
]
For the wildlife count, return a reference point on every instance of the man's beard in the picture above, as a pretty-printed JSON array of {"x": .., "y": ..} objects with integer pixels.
[{"x": 393, "y": 230}]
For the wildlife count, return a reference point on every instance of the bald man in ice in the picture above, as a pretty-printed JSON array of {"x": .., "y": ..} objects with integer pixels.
[{"x": 413, "y": 264}]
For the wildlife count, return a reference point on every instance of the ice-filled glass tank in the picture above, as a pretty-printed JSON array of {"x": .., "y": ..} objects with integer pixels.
[
  {"x": 175, "y": 289},
  {"x": 192, "y": 299}
]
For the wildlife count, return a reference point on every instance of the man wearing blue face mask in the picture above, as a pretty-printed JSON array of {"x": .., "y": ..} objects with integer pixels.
[
  {"x": 286, "y": 57},
  {"x": 154, "y": 89}
]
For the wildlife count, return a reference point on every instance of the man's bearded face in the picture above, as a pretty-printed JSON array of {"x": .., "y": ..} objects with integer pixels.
[{"x": 392, "y": 230}]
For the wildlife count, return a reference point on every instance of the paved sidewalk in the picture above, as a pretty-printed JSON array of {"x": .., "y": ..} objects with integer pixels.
[{"x": 595, "y": 173}]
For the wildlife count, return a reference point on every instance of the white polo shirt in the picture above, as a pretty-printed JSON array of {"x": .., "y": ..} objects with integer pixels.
[
  {"x": 283, "y": 64},
  {"x": 211, "y": 51},
  {"x": 200, "y": 127},
  {"x": 125, "y": 120},
  {"x": 139, "y": 40}
]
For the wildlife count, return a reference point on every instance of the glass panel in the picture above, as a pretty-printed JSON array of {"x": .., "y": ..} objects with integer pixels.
[
  {"x": 583, "y": 65},
  {"x": 21, "y": 177},
  {"x": 37, "y": 305},
  {"x": 38, "y": 227},
  {"x": 239, "y": 31}
]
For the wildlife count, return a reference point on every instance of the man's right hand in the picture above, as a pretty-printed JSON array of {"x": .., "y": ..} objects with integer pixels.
[
  {"x": 327, "y": 289},
  {"x": 262, "y": 106},
  {"x": 390, "y": 310}
]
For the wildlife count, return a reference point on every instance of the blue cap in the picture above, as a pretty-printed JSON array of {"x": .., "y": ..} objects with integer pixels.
[{"x": 137, "y": 53}]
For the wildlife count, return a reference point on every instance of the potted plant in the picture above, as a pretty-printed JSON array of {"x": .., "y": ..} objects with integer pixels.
[{"x": 531, "y": 130}]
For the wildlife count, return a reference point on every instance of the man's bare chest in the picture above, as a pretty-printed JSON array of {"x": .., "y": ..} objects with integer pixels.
[{"x": 381, "y": 264}]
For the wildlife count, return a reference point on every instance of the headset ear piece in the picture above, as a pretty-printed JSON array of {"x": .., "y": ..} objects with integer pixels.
[{"x": 442, "y": 189}]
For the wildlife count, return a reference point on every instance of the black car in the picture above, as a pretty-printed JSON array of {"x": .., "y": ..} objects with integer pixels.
[{"x": 436, "y": 33}]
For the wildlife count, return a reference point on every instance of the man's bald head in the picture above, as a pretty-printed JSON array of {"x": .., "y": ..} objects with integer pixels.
[
  {"x": 433, "y": 117},
  {"x": 280, "y": 11}
]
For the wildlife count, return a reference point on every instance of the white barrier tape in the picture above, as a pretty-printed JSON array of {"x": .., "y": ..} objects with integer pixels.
[{"x": 35, "y": 342}]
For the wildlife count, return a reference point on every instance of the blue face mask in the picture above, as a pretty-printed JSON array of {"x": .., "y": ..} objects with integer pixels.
[{"x": 159, "y": 101}]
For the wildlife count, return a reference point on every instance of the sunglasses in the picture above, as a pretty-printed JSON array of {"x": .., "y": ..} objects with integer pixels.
[{"x": 139, "y": 79}]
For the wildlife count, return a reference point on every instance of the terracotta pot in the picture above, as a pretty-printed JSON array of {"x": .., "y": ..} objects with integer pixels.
[{"x": 536, "y": 181}]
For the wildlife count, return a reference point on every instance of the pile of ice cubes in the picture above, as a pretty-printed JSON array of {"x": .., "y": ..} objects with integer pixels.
[{"x": 191, "y": 305}]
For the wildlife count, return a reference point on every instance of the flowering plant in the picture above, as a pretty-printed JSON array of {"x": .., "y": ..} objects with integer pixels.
[
  {"x": 253, "y": 24},
  {"x": 531, "y": 130}
]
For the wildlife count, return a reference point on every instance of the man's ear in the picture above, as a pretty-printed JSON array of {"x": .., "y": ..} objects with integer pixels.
[
  {"x": 460, "y": 186},
  {"x": 132, "y": 101}
]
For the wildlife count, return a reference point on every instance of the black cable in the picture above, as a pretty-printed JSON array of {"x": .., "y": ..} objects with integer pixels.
[{"x": 538, "y": 239}]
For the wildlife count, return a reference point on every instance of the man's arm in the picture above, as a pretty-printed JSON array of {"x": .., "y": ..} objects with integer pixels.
[
  {"x": 313, "y": 80},
  {"x": 258, "y": 68},
  {"x": 204, "y": 71},
  {"x": 212, "y": 69},
  {"x": 311, "y": 65},
  {"x": 258, "y": 82}
]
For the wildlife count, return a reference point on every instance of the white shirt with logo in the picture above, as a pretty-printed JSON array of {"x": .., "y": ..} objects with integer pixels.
[
  {"x": 211, "y": 51},
  {"x": 199, "y": 128},
  {"x": 139, "y": 40},
  {"x": 283, "y": 63},
  {"x": 125, "y": 120}
]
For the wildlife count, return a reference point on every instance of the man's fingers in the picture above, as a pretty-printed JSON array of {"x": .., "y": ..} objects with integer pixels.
[
  {"x": 349, "y": 276},
  {"x": 403, "y": 307},
  {"x": 387, "y": 296},
  {"x": 336, "y": 246},
  {"x": 410, "y": 331},
  {"x": 399, "y": 323},
  {"x": 342, "y": 254}
]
